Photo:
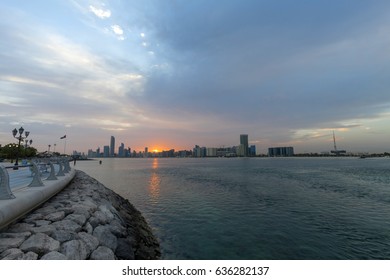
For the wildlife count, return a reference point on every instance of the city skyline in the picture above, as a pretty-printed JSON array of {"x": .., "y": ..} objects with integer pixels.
[
  {"x": 241, "y": 149},
  {"x": 175, "y": 74}
]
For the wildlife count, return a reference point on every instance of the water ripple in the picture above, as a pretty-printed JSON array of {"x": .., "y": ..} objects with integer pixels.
[{"x": 259, "y": 208}]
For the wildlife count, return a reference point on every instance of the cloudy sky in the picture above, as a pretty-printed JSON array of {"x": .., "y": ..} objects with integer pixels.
[{"x": 176, "y": 73}]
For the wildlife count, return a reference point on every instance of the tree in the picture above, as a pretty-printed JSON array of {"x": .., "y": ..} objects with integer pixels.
[{"x": 10, "y": 151}]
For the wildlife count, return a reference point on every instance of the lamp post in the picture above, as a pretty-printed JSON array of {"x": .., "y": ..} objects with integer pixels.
[
  {"x": 26, "y": 145},
  {"x": 20, "y": 139}
]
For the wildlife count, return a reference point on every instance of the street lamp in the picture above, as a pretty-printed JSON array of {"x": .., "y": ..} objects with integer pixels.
[
  {"x": 20, "y": 138},
  {"x": 26, "y": 145}
]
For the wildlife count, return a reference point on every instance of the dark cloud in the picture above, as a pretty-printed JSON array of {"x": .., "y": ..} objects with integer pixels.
[{"x": 294, "y": 65}]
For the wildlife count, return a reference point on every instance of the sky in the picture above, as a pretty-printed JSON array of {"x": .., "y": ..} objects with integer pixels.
[{"x": 169, "y": 74}]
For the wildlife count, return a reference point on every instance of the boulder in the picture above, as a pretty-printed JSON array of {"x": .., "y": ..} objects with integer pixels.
[
  {"x": 8, "y": 243},
  {"x": 77, "y": 218},
  {"x": 63, "y": 235},
  {"x": 54, "y": 256},
  {"x": 67, "y": 225},
  {"x": 30, "y": 256},
  {"x": 105, "y": 237},
  {"x": 90, "y": 241},
  {"x": 48, "y": 229},
  {"x": 56, "y": 216},
  {"x": 15, "y": 234},
  {"x": 74, "y": 250},
  {"x": 39, "y": 223},
  {"x": 20, "y": 227},
  {"x": 102, "y": 253},
  {"x": 40, "y": 243},
  {"x": 12, "y": 254}
]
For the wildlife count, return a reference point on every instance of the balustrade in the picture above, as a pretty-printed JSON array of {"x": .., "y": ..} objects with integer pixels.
[{"x": 36, "y": 178}]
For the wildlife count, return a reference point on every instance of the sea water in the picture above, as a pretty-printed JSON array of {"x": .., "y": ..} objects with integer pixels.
[{"x": 258, "y": 208}]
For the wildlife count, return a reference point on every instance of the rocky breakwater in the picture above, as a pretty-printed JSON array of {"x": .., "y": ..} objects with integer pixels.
[{"x": 86, "y": 220}]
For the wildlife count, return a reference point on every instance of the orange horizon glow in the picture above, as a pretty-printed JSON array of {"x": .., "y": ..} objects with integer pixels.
[{"x": 160, "y": 148}]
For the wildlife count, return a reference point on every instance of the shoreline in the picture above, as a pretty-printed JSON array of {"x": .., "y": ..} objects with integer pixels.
[{"x": 85, "y": 220}]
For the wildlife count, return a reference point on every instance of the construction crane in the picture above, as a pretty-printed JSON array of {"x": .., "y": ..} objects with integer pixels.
[{"x": 335, "y": 151}]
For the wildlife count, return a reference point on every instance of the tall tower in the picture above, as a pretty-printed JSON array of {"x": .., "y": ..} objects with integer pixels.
[
  {"x": 112, "y": 146},
  {"x": 121, "y": 150},
  {"x": 244, "y": 143},
  {"x": 146, "y": 153}
]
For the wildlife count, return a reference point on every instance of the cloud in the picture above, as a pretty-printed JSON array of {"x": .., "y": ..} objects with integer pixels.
[
  {"x": 117, "y": 29},
  {"x": 61, "y": 83},
  {"x": 100, "y": 13},
  {"x": 279, "y": 72},
  {"x": 273, "y": 68}
]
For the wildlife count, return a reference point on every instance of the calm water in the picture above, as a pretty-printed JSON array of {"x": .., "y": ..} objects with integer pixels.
[{"x": 258, "y": 208}]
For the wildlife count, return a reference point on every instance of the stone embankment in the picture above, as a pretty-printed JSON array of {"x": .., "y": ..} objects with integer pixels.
[{"x": 84, "y": 221}]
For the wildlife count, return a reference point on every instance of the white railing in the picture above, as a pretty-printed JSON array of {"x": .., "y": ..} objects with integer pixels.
[
  {"x": 31, "y": 184},
  {"x": 33, "y": 174}
]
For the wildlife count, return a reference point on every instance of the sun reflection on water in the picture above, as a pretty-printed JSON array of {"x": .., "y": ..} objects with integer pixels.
[{"x": 154, "y": 182}]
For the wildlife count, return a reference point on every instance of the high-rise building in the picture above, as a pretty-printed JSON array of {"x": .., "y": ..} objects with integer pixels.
[
  {"x": 281, "y": 152},
  {"x": 240, "y": 150},
  {"x": 112, "y": 146},
  {"x": 196, "y": 151},
  {"x": 121, "y": 150},
  {"x": 211, "y": 152},
  {"x": 106, "y": 151},
  {"x": 244, "y": 142},
  {"x": 252, "y": 151}
]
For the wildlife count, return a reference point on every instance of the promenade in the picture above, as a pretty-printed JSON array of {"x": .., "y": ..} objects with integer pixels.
[{"x": 83, "y": 221}]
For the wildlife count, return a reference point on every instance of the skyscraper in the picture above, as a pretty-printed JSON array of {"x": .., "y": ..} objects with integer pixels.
[
  {"x": 252, "y": 151},
  {"x": 121, "y": 150},
  {"x": 112, "y": 146},
  {"x": 281, "y": 152},
  {"x": 244, "y": 142},
  {"x": 106, "y": 151}
]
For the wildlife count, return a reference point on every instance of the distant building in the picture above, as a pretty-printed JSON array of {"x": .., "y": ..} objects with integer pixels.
[
  {"x": 196, "y": 151},
  {"x": 281, "y": 152},
  {"x": 199, "y": 151},
  {"x": 211, "y": 152},
  {"x": 170, "y": 153},
  {"x": 146, "y": 154},
  {"x": 245, "y": 145},
  {"x": 92, "y": 154},
  {"x": 252, "y": 151},
  {"x": 112, "y": 146},
  {"x": 121, "y": 150},
  {"x": 184, "y": 153},
  {"x": 226, "y": 152},
  {"x": 106, "y": 151},
  {"x": 241, "y": 150}
]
